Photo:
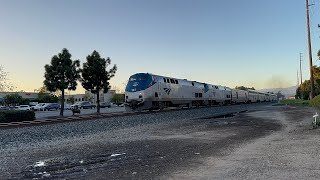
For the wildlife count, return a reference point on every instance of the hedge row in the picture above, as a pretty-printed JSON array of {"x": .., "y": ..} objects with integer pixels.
[{"x": 16, "y": 116}]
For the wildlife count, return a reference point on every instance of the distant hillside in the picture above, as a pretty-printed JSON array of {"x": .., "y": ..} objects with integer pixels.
[{"x": 289, "y": 91}]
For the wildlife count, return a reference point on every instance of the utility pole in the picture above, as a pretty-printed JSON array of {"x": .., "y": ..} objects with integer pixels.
[
  {"x": 310, "y": 53},
  {"x": 301, "y": 94},
  {"x": 300, "y": 68},
  {"x": 298, "y": 78}
]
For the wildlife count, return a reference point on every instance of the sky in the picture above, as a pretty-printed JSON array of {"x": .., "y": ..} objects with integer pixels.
[{"x": 254, "y": 43}]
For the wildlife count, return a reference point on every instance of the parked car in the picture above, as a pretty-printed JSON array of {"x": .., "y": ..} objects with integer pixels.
[
  {"x": 24, "y": 107},
  {"x": 3, "y": 108},
  {"x": 66, "y": 106},
  {"x": 75, "y": 105},
  {"x": 87, "y": 105},
  {"x": 38, "y": 107},
  {"x": 33, "y": 103},
  {"x": 105, "y": 104},
  {"x": 13, "y": 107},
  {"x": 83, "y": 105},
  {"x": 43, "y": 106},
  {"x": 51, "y": 106}
]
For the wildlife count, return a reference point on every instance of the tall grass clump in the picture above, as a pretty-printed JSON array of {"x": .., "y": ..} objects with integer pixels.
[{"x": 315, "y": 102}]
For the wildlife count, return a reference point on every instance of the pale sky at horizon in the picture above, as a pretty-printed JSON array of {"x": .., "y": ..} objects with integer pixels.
[{"x": 253, "y": 43}]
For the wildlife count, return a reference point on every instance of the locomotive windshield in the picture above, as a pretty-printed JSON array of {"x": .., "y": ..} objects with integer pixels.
[{"x": 139, "y": 82}]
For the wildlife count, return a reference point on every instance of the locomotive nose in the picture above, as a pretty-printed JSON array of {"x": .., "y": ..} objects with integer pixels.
[{"x": 134, "y": 97}]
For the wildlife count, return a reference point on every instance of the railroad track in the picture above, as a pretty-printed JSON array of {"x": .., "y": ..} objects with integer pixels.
[
  {"x": 76, "y": 118},
  {"x": 89, "y": 117}
]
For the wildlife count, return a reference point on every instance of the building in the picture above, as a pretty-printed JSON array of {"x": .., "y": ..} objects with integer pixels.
[
  {"x": 24, "y": 95},
  {"x": 88, "y": 96}
]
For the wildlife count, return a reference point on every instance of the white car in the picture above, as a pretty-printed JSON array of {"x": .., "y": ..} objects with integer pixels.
[
  {"x": 24, "y": 107},
  {"x": 73, "y": 106},
  {"x": 66, "y": 106},
  {"x": 38, "y": 106}
]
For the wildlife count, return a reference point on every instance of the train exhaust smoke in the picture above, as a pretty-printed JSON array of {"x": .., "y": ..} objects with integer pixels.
[{"x": 277, "y": 81}]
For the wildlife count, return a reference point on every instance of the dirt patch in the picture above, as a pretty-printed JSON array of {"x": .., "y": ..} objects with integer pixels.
[{"x": 286, "y": 154}]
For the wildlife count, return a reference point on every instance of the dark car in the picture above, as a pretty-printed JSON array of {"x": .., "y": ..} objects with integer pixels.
[
  {"x": 86, "y": 105},
  {"x": 3, "y": 108},
  {"x": 51, "y": 106},
  {"x": 105, "y": 104}
]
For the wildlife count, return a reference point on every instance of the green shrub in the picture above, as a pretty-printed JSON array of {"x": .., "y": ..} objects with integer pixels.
[
  {"x": 16, "y": 116},
  {"x": 294, "y": 102},
  {"x": 315, "y": 102}
]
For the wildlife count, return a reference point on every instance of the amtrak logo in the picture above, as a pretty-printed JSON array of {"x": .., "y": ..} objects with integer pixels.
[{"x": 167, "y": 90}]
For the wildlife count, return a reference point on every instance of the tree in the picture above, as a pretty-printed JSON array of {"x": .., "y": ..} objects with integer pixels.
[
  {"x": 280, "y": 95},
  {"x": 49, "y": 98},
  {"x": 43, "y": 92},
  {"x": 118, "y": 98},
  {"x": 71, "y": 100},
  {"x": 4, "y": 84},
  {"x": 87, "y": 97},
  {"x": 13, "y": 98},
  {"x": 62, "y": 74},
  {"x": 25, "y": 101},
  {"x": 305, "y": 89},
  {"x": 95, "y": 77}
]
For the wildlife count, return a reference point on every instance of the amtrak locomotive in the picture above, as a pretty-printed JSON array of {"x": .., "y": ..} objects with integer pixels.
[{"x": 146, "y": 91}]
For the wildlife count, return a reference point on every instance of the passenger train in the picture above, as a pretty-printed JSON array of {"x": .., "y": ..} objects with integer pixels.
[{"x": 146, "y": 91}]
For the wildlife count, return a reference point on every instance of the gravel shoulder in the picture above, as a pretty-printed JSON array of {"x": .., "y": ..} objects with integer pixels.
[
  {"x": 291, "y": 153},
  {"x": 187, "y": 144}
]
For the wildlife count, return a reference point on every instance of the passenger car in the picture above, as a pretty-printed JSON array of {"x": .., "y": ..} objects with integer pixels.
[
  {"x": 51, "y": 106},
  {"x": 83, "y": 105},
  {"x": 23, "y": 107},
  {"x": 66, "y": 106},
  {"x": 105, "y": 104},
  {"x": 4, "y": 108},
  {"x": 38, "y": 107},
  {"x": 145, "y": 91}
]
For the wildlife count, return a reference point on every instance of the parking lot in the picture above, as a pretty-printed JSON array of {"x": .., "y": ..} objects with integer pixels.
[{"x": 52, "y": 113}]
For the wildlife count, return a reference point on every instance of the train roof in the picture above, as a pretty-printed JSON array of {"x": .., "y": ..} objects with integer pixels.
[
  {"x": 190, "y": 81},
  {"x": 201, "y": 83}
]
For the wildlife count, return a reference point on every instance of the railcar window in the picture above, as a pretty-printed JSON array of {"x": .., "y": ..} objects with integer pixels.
[
  {"x": 192, "y": 84},
  {"x": 168, "y": 81},
  {"x": 200, "y": 94},
  {"x": 176, "y": 81},
  {"x": 164, "y": 79},
  {"x": 196, "y": 95},
  {"x": 172, "y": 81},
  {"x": 156, "y": 94}
]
